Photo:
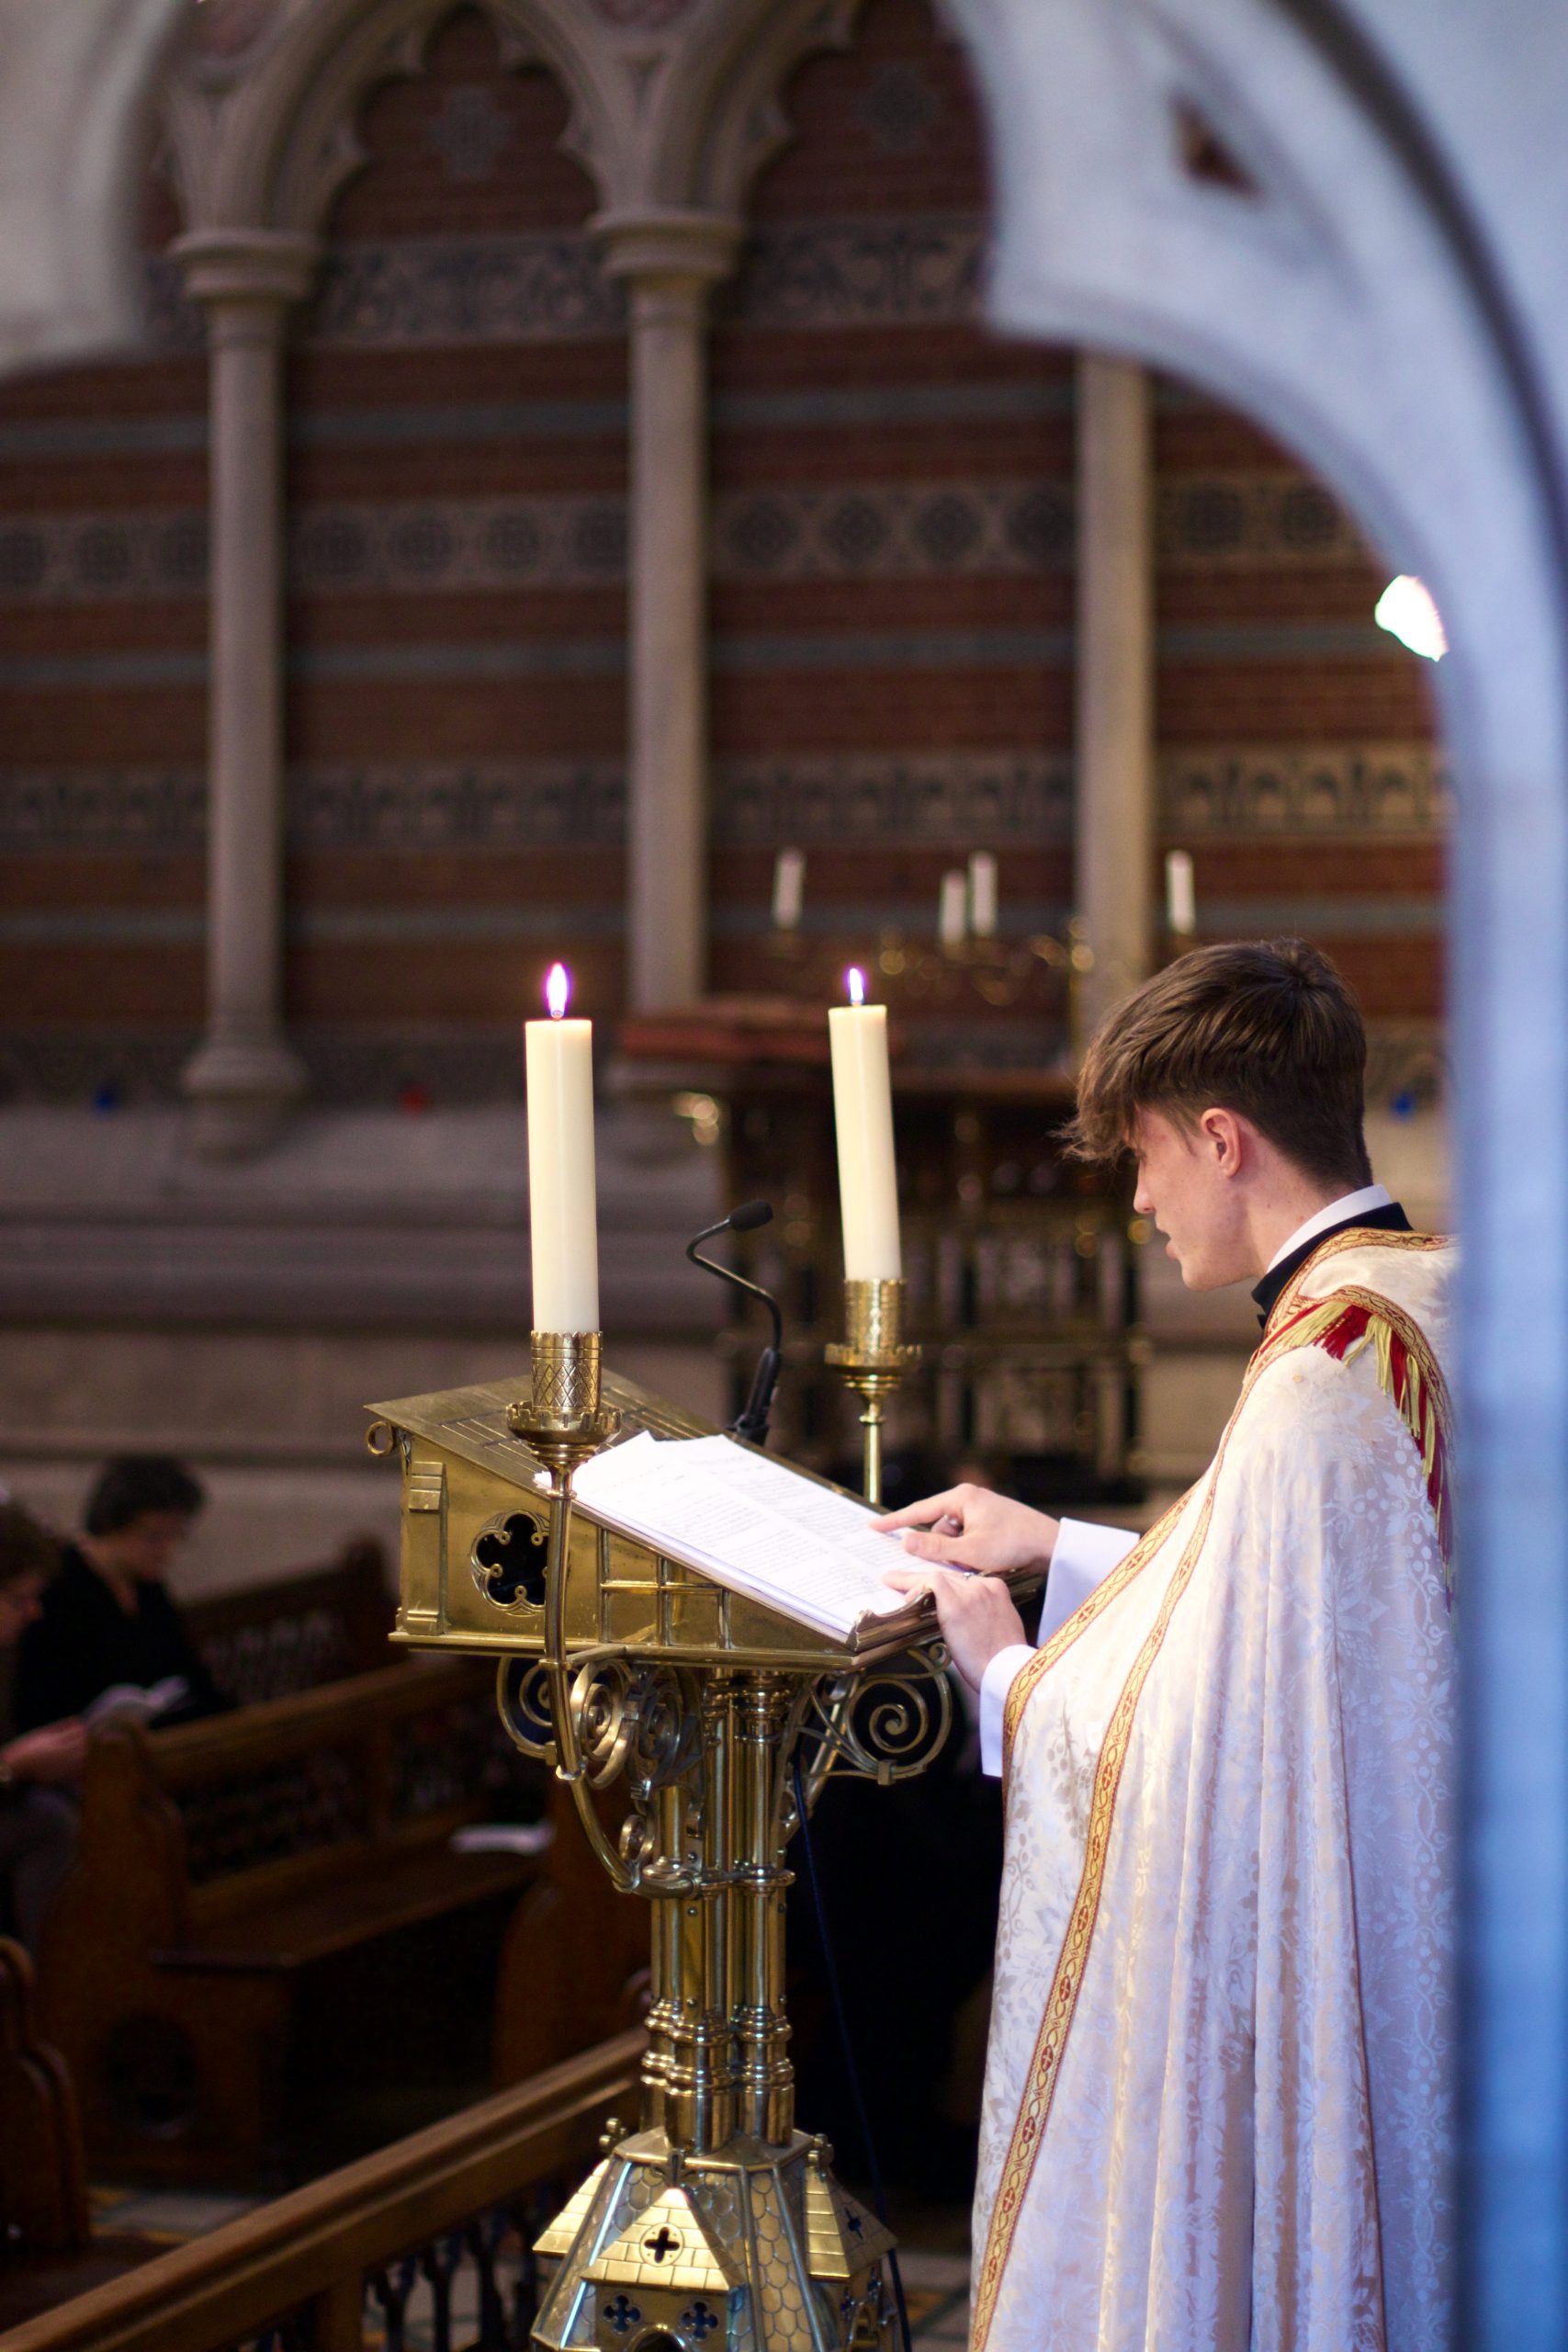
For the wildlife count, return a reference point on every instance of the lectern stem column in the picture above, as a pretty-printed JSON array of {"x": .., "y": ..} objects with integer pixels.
[{"x": 761, "y": 2030}]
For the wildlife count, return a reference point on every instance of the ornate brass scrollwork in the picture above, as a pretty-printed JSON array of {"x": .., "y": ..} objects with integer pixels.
[{"x": 884, "y": 1725}]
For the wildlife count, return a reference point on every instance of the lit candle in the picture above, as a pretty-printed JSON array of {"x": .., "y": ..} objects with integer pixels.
[
  {"x": 789, "y": 888},
  {"x": 952, "y": 909},
  {"x": 862, "y": 1114},
  {"x": 983, "y": 894},
  {"x": 561, "y": 1202},
  {"x": 1180, "y": 897}
]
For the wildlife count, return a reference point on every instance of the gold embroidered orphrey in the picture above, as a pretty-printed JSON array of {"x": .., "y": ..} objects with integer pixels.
[{"x": 1290, "y": 1325}]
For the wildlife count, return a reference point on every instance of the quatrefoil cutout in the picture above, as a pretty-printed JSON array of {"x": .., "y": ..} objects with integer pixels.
[{"x": 508, "y": 1561}]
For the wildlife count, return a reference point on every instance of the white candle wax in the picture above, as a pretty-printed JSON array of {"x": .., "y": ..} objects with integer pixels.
[
  {"x": 862, "y": 1114},
  {"x": 789, "y": 888},
  {"x": 983, "y": 894},
  {"x": 1180, "y": 897},
  {"x": 952, "y": 909},
  {"x": 561, "y": 1202}
]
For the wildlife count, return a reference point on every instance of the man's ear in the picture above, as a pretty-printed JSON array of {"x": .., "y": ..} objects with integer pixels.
[{"x": 1222, "y": 1137}]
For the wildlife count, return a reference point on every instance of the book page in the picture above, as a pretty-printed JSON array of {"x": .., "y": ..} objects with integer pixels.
[{"x": 752, "y": 1524}]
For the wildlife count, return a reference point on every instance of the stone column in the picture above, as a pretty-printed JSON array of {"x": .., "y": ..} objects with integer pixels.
[
  {"x": 244, "y": 1076},
  {"x": 1115, "y": 762},
  {"x": 670, "y": 260}
]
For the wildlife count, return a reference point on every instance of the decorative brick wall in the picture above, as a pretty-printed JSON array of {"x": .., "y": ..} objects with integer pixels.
[
  {"x": 892, "y": 604},
  {"x": 1297, "y": 754},
  {"x": 893, "y": 586}
]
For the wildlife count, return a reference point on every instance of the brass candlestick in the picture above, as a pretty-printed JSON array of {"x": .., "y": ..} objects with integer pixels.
[
  {"x": 873, "y": 1360},
  {"x": 565, "y": 1424}
]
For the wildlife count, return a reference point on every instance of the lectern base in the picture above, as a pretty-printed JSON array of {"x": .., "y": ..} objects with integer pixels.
[{"x": 659, "y": 2250}]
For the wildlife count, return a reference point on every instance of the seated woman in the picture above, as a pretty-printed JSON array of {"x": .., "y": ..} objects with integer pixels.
[
  {"x": 107, "y": 1617},
  {"x": 39, "y": 1769}
]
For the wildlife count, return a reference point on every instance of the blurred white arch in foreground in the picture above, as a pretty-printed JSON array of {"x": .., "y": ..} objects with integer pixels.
[{"x": 1331, "y": 213}]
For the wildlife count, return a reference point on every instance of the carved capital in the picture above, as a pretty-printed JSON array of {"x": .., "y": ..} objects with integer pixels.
[
  {"x": 247, "y": 269},
  {"x": 677, "y": 252}
]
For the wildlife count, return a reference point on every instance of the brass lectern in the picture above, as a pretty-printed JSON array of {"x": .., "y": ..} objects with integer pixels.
[{"x": 621, "y": 1668}]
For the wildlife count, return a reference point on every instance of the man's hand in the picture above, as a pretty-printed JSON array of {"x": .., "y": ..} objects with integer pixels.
[
  {"x": 970, "y": 1527},
  {"x": 55, "y": 1753},
  {"x": 976, "y": 1613}
]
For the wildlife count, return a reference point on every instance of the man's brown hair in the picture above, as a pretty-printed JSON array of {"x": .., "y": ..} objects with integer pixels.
[{"x": 1271, "y": 1031}]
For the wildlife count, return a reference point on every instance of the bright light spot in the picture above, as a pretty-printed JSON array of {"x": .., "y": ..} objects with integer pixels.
[
  {"x": 1405, "y": 609},
  {"x": 854, "y": 980},
  {"x": 558, "y": 987}
]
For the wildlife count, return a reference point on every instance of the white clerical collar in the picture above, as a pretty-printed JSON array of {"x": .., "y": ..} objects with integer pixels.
[{"x": 1340, "y": 1211}]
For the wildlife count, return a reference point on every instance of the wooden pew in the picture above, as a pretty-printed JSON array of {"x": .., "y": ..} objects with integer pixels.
[
  {"x": 222, "y": 1862},
  {"x": 331, "y": 2264},
  {"x": 47, "y": 2248},
  {"x": 299, "y": 1630}
]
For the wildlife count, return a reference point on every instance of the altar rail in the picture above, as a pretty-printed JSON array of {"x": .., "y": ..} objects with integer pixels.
[{"x": 334, "y": 2265}]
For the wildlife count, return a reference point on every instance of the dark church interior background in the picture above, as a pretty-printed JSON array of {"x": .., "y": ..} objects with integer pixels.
[
  {"x": 891, "y": 569},
  {"x": 890, "y": 576}
]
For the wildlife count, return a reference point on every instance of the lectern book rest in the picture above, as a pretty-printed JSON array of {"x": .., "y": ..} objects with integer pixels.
[{"x": 756, "y": 1526}]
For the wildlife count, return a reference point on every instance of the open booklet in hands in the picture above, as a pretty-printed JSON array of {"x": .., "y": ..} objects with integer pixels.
[
  {"x": 762, "y": 1529},
  {"x": 130, "y": 1702}
]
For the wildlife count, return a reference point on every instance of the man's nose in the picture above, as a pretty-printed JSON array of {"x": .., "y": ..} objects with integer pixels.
[{"x": 1142, "y": 1204}]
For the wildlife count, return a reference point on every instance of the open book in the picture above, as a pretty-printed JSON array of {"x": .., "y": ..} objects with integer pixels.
[
  {"x": 132, "y": 1702},
  {"x": 754, "y": 1525}
]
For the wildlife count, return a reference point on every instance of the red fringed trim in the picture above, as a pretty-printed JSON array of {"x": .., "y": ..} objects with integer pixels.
[{"x": 1408, "y": 1375}]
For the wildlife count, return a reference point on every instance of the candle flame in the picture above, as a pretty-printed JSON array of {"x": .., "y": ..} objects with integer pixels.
[
  {"x": 558, "y": 987},
  {"x": 854, "y": 980}
]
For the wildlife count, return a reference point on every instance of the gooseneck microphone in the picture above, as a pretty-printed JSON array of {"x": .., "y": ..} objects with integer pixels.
[{"x": 752, "y": 1420}]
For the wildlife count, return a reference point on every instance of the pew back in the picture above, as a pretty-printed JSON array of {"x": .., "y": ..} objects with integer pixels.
[
  {"x": 221, "y": 1863},
  {"x": 334, "y": 2264}
]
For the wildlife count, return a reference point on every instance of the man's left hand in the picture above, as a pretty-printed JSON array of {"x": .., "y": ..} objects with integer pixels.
[{"x": 976, "y": 1613}]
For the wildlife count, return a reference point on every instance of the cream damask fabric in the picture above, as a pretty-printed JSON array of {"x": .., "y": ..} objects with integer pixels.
[{"x": 1234, "y": 2133}]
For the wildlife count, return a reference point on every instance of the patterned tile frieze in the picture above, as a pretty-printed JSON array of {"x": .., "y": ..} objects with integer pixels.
[
  {"x": 133, "y": 810},
  {"x": 947, "y": 797},
  {"x": 958, "y": 797},
  {"x": 1295, "y": 789},
  {"x": 1250, "y": 520},
  {"x": 882, "y": 270},
  {"x": 865, "y": 530},
  {"x": 480, "y": 804}
]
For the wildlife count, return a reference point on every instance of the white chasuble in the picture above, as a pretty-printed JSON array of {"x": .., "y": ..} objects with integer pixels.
[{"x": 1217, "y": 2105}]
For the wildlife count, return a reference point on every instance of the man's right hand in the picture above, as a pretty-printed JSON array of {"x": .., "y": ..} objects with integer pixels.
[
  {"x": 55, "y": 1753},
  {"x": 970, "y": 1527}
]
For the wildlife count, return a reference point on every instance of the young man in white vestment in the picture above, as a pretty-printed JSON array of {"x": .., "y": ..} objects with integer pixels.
[{"x": 1217, "y": 2095}]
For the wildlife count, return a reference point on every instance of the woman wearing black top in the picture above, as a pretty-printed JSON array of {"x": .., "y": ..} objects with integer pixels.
[{"x": 106, "y": 1616}]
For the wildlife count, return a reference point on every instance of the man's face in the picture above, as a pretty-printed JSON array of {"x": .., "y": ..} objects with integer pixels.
[
  {"x": 1186, "y": 1184},
  {"x": 146, "y": 1547},
  {"x": 18, "y": 1607}
]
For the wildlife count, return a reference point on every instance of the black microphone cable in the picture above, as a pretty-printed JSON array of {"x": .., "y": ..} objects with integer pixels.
[
  {"x": 851, "y": 2072},
  {"x": 752, "y": 1422}
]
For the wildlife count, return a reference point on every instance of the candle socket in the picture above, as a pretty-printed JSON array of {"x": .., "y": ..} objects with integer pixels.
[
  {"x": 873, "y": 1359},
  {"x": 563, "y": 1422}
]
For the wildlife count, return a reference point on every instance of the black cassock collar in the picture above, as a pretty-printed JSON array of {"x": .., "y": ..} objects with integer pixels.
[{"x": 1390, "y": 1219}]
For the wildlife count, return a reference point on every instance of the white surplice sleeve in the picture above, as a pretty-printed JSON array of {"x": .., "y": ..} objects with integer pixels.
[{"x": 1085, "y": 1553}]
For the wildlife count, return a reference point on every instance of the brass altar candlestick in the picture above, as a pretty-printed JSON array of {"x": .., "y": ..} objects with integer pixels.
[
  {"x": 873, "y": 1360},
  {"x": 564, "y": 1424}
]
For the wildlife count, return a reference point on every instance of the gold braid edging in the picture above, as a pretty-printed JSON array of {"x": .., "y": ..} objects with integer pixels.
[
  {"x": 1088, "y": 1609},
  {"x": 1050, "y": 2048}
]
